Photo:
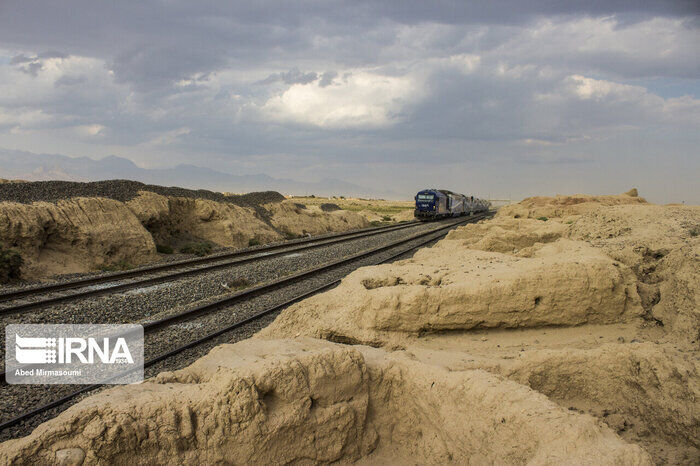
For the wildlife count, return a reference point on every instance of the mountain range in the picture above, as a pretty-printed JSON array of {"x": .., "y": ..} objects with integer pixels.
[{"x": 15, "y": 164}]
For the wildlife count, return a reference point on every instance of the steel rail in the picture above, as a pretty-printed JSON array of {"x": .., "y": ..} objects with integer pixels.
[
  {"x": 12, "y": 295},
  {"x": 252, "y": 256},
  {"x": 68, "y": 397}
]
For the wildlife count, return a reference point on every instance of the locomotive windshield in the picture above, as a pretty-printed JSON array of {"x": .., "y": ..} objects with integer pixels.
[{"x": 425, "y": 197}]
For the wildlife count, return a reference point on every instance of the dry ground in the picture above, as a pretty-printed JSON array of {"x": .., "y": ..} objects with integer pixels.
[{"x": 564, "y": 331}]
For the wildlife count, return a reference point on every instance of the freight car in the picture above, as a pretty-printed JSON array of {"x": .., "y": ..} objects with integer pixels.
[{"x": 440, "y": 203}]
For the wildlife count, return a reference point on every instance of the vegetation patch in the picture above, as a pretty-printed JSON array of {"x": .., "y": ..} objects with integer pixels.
[
  {"x": 117, "y": 266},
  {"x": 164, "y": 249},
  {"x": 378, "y": 206},
  {"x": 544, "y": 219},
  {"x": 197, "y": 248},
  {"x": 10, "y": 265},
  {"x": 253, "y": 242}
]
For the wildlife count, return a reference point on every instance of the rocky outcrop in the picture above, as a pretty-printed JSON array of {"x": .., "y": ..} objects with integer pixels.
[
  {"x": 74, "y": 235},
  {"x": 609, "y": 268},
  {"x": 282, "y": 402},
  {"x": 172, "y": 220},
  {"x": 505, "y": 234},
  {"x": 84, "y": 234},
  {"x": 658, "y": 244},
  {"x": 562, "y": 206},
  {"x": 451, "y": 288}
]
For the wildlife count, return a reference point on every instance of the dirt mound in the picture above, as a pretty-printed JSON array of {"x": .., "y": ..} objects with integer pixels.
[
  {"x": 294, "y": 222},
  {"x": 448, "y": 288},
  {"x": 649, "y": 385},
  {"x": 84, "y": 234},
  {"x": 176, "y": 219},
  {"x": 562, "y": 206},
  {"x": 507, "y": 235},
  {"x": 610, "y": 269},
  {"x": 657, "y": 243},
  {"x": 310, "y": 401},
  {"x": 74, "y": 235}
]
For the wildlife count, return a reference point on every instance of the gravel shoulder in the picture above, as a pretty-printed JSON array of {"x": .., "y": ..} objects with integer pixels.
[{"x": 157, "y": 301}]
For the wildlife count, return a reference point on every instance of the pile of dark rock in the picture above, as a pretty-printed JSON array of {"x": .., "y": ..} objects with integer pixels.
[
  {"x": 329, "y": 207},
  {"x": 120, "y": 190}
]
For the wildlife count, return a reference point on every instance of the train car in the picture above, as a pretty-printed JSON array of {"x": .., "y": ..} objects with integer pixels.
[{"x": 440, "y": 203}]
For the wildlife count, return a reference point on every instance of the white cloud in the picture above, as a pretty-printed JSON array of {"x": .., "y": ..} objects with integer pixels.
[
  {"x": 360, "y": 99},
  {"x": 90, "y": 130},
  {"x": 599, "y": 89},
  {"x": 467, "y": 63}
]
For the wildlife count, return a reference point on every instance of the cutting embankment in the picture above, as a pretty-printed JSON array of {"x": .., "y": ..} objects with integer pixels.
[
  {"x": 565, "y": 330},
  {"x": 64, "y": 227}
]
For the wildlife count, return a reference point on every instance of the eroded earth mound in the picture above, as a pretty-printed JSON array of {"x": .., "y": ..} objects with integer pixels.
[
  {"x": 82, "y": 234},
  {"x": 590, "y": 300},
  {"x": 570, "y": 339},
  {"x": 308, "y": 401}
]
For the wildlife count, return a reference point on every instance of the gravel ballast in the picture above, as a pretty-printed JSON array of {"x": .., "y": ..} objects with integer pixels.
[{"x": 157, "y": 301}]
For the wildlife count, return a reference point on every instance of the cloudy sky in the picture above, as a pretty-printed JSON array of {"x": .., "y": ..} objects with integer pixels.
[{"x": 500, "y": 98}]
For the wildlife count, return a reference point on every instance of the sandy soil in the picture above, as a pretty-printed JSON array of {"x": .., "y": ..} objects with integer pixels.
[
  {"x": 374, "y": 210},
  {"x": 520, "y": 340},
  {"x": 85, "y": 234}
]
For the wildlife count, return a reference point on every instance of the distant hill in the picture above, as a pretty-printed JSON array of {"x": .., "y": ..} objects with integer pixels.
[{"x": 41, "y": 167}]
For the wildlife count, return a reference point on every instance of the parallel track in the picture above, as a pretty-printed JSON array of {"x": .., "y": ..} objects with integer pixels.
[
  {"x": 210, "y": 263},
  {"x": 429, "y": 236}
]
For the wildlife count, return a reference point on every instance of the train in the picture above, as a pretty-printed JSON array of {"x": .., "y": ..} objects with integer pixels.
[{"x": 434, "y": 203}]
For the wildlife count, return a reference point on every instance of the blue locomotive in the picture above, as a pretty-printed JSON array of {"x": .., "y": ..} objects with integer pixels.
[{"x": 440, "y": 203}]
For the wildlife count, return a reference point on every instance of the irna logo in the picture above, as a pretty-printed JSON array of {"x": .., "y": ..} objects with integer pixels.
[
  {"x": 73, "y": 353},
  {"x": 35, "y": 350}
]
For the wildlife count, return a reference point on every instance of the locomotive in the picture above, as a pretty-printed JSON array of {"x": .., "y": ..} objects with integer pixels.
[{"x": 439, "y": 203}]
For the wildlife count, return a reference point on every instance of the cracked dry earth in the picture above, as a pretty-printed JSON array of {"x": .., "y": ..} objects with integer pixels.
[{"x": 513, "y": 341}]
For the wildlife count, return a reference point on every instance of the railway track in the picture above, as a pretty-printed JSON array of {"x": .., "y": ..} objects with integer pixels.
[
  {"x": 36, "y": 297},
  {"x": 154, "y": 326}
]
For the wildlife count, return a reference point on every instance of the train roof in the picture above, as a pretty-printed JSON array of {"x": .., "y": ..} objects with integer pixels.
[{"x": 445, "y": 192}]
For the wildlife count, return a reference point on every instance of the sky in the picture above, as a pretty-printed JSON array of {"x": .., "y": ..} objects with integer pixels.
[{"x": 500, "y": 99}]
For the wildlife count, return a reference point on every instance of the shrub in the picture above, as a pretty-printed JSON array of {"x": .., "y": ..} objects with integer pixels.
[
  {"x": 386, "y": 218},
  {"x": 253, "y": 242},
  {"x": 164, "y": 249},
  {"x": 544, "y": 219},
  {"x": 117, "y": 266},
  {"x": 198, "y": 249},
  {"x": 695, "y": 232},
  {"x": 10, "y": 265},
  {"x": 375, "y": 223}
]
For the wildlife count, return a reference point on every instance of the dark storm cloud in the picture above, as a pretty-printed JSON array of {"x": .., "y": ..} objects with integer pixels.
[
  {"x": 293, "y": 76},
  {"x": 327, "y": 78},
  {"x": 32, "y": 65},
  {"x": 217, "y": 82}
]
